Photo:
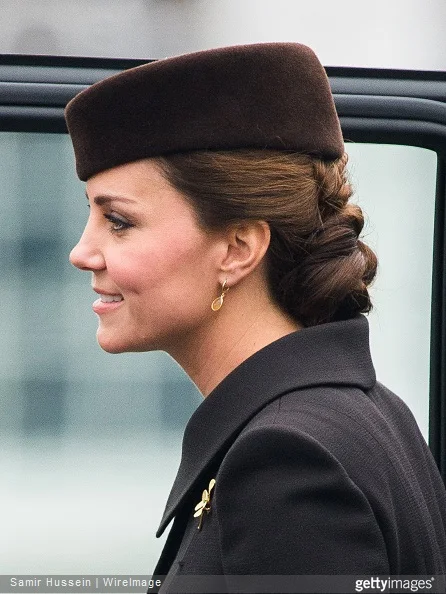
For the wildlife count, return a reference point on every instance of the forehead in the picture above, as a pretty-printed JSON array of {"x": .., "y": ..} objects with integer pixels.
[
  {"x": 141, "y": 187},
  {"x": 134, "y": 178}
]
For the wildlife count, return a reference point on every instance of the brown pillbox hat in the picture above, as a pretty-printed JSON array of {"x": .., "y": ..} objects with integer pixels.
[{"x": 267, "y": 95}]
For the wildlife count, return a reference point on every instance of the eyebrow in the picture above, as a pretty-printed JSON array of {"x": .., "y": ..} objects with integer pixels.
[{"x": 106, "y": 199}]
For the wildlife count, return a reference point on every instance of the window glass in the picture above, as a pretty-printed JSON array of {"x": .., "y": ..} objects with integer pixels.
[
  {"x": 90, "y": 442},
  {"x": 395, "y": 186}
]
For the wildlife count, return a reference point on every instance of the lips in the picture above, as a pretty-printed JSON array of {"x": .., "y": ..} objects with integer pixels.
[{"x": 107, "y": 301}]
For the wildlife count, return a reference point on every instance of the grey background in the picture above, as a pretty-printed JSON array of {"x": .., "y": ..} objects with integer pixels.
[
  {"x": 90, "y": 442},
  {"x": 384, "y": 33}
]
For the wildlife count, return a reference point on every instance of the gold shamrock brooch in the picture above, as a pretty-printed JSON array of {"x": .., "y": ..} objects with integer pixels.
[{"x": 205, "y": 504}]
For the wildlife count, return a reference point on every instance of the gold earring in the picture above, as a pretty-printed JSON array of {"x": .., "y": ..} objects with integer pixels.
[{"x": 217, "y": 303}]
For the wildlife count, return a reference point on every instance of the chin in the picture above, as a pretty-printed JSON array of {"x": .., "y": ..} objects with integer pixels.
[
  {"x": 110, "y": 345},
  {"x": 114, "y": 345},
  {"x": 112, "y": 348}
]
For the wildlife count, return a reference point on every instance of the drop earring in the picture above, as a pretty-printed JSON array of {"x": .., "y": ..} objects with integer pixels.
[{"x": 217, "y": 303}]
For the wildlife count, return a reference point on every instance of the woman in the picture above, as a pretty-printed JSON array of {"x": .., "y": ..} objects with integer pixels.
[{"x": 221, "y": 231}]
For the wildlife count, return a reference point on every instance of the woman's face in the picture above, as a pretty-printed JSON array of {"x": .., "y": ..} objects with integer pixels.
[{"x": 154, "y": 269}]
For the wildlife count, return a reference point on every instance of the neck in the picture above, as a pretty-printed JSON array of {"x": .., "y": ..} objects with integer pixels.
[{"x": 233, "y": 335}]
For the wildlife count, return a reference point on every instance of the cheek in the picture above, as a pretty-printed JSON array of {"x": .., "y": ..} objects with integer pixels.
[
  {"x": 129, "y": 272},
  {"x": 168, "y": 268}
]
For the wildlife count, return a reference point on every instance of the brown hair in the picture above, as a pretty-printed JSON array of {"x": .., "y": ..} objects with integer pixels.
[{"x": 317, "y": 268}]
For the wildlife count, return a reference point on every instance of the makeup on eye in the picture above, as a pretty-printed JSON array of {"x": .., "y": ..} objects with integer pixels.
[
  {"x": 105, "y": 203},
  {"x": 118, "y": 224}
]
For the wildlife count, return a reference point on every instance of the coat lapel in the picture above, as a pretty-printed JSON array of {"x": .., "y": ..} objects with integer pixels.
[{"x": 336, "y": 353}]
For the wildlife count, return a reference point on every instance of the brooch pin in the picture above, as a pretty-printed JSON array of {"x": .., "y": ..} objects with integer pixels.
[{"x": 205, "y": 504}]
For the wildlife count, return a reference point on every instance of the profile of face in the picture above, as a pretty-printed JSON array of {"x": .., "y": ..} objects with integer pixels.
[{"x": 155, "y": 270}]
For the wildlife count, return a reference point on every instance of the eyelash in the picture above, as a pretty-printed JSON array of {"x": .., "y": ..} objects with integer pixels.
[{"x": 123, "y": 225}]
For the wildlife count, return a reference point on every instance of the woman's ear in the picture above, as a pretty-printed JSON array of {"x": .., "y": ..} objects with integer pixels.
[{"x": 246, "y": 246}]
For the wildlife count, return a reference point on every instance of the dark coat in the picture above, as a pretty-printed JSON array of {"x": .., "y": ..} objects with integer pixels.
[{"x": 319, "y": 469}]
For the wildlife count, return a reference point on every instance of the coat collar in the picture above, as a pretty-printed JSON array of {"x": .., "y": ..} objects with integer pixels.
[{"x": 336, "y": 353}]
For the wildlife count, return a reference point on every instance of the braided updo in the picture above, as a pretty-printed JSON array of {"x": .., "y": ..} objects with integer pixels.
[{"x": 318, "y": 270}]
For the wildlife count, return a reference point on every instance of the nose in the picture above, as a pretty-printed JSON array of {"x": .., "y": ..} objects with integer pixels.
[{"x": 86, "y": 254}]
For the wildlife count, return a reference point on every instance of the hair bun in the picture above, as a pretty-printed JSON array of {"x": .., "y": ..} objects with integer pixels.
[{"x": 318, "y": 270}]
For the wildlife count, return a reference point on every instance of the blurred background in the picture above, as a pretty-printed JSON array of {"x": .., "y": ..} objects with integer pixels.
[
  {"x": 90, "y": 442},
  {"x": 385, "y": 33}
]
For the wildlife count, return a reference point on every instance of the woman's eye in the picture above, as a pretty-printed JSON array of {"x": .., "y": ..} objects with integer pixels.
[{"x": 117, "y": 224}]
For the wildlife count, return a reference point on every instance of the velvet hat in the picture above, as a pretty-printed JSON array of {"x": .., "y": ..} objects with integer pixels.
[{"x": 266, "y": 95}]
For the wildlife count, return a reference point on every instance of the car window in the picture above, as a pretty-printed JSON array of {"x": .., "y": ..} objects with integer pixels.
[{"x": 395, "y": 185}]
